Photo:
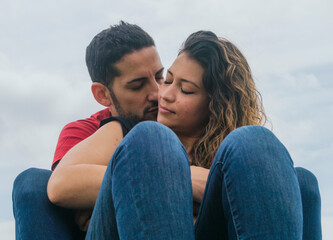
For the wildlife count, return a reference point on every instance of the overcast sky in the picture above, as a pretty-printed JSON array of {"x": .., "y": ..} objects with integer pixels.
[{"x": 44, "y": 83}]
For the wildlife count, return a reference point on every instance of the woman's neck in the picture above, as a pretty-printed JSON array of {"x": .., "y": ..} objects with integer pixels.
[{"x": 188, "y": 143}]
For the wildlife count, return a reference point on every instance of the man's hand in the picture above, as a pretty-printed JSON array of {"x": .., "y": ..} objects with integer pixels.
[{"x": 82, "y": 219}]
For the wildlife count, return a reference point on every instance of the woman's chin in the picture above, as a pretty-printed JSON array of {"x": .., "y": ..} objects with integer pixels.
[
  {"x": 160, "y": 118},
  {"x": 163, "y": 120}
]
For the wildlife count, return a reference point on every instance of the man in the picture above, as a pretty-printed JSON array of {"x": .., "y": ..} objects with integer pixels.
[
  {"x": 125, "y": 69},
  {"x": 128, "y": 88}
]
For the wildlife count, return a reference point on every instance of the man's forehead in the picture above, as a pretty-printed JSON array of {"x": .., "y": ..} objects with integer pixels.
[
  {"x": 141, "y": 63},
  {"x": 149, "y": 54}
]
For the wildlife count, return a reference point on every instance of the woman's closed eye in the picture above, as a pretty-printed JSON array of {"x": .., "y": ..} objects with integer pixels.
[
  {"x": 181, "y": 88},
  {"x": 186, "y": 92}
]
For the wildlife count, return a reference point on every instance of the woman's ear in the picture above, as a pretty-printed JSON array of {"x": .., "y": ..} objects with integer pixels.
[{"x": 101, "y": 94}]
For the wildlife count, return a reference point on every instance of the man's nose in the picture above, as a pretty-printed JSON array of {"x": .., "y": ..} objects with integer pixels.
[{"x": 153, "y": 91}]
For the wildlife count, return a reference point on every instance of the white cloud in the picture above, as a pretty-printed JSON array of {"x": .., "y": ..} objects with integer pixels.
[
  {"x": 327, "y": 230},
  {"x": 7, "y": 229}
]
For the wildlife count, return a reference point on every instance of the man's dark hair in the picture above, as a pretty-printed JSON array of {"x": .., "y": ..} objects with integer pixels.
[{"x": 109, "y": 46}]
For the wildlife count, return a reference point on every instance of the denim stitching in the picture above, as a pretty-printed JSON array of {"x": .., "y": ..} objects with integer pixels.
[{"x": 231, "y": 209}]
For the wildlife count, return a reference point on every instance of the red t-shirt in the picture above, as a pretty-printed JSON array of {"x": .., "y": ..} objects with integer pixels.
[{"x": 75, "y": 132}]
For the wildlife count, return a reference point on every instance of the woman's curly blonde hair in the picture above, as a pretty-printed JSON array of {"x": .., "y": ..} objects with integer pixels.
[{"x": 234, "y": 100}]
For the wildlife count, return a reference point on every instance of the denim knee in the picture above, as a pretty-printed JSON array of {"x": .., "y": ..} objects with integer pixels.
[
  {"x": 252, "y": 139},
  {"x": 150, "y": 138},
  {"x": 30, "y": 184},
  {"x": 149, "y": 131},
  {"x": 253, "y": 151},
  {"x": 251, "y": 133},
  {"x": 309, "y": 186}
]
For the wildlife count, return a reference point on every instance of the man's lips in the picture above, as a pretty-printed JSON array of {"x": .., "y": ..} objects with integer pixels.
[
  {"x": 162, "y": 109},
  {"x": 152, "y": 109}
]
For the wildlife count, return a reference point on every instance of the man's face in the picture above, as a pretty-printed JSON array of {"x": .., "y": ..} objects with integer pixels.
[{"x": 134, "y": 92}]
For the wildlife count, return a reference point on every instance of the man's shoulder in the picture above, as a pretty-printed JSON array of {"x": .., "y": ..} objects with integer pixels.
[
  {"x": 89, "y": 123},
  {"x": 75, "y": 132},
  {"x": 105, "y": 113}
]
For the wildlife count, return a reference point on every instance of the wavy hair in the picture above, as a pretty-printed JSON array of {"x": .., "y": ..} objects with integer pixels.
[{"x": 234, "y": 100}]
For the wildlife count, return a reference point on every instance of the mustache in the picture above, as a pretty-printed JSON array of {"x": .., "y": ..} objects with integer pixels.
[{"x": 149, "y": 108}]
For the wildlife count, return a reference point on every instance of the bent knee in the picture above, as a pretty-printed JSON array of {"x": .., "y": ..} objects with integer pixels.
[
  {"x": 256, "y": 148},
  {"x": 150, "y": 132},
  {"x": 308, "y": 184},
  {"x": 252, "y": 139},
  {"x": 250, "y": 132},
  {"x": 30, "y": 184},
  {"x": 151, "y": 142}
]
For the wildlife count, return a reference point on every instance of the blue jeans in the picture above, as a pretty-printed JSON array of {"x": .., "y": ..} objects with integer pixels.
[
  {"x": 35, "y": 216},
  {"x": 252, "y": 192}
]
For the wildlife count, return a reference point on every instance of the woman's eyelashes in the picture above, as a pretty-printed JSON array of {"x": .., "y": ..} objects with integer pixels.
[
  {"x": 181, "y": 87},
  {"x": 186, "y": 92}
]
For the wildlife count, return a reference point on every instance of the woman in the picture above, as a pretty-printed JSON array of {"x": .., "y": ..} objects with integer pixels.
[
  {"x": 252, "y": 191},
  {"x": 212, "y": 77}
]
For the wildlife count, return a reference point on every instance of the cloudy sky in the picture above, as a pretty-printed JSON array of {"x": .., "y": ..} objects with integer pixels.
[{"x": 44, "y": 83}]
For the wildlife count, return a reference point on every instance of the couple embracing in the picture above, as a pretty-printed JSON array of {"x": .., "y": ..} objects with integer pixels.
[{"x": 168, "y": 152}]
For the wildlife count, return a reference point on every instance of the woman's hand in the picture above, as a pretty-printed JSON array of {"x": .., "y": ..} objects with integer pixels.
[{"x": 199, "y": 179}]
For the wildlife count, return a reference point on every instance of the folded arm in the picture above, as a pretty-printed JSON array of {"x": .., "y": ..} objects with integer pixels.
[{"x": 76, "y": 180}]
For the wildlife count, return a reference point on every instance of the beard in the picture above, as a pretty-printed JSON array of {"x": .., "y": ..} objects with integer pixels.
[{"x": 129, "y": 115}]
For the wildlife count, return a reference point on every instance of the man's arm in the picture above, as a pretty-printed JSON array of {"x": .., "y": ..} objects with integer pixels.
[{"x": 76, "y": 180}]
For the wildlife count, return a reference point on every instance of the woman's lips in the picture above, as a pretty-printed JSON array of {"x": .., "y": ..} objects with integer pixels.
[{"x": 162, "y": 109}]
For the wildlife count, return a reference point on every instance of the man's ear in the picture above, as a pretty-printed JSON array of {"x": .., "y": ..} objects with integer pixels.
[{"x": 101, "y": 94}]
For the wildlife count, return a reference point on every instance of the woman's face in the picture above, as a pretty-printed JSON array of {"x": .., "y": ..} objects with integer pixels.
[{"x": 182, "y": 99}]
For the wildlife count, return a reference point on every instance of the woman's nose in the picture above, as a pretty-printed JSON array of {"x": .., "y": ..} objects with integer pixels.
[{"x": 167, "y": 92}]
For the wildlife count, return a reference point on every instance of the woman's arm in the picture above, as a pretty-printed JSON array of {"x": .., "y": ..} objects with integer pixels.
[
  {"x": 76, "y": 180},
  {"x": 199, "y": 177}
]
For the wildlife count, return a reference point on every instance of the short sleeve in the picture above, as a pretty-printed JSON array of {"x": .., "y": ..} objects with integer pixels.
[
  {"x": 72, "y": 134},
  {"x": 75, "y": 132}
]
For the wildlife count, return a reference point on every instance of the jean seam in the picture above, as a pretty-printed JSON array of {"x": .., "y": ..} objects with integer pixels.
[
  {"x": 231, "y": 209},
  {"x": 136, "y": 208},
  {"x": 131, "y": 189},
  {"x": 241, "y": 139}
]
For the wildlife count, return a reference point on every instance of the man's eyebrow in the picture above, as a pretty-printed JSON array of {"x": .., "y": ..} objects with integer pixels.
[
  {"x": 159, "y": 71},
  {"x": 143, "y": 78},
  {"x": 184, "y": 80},
  {"x": 136, "y": 80}
]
